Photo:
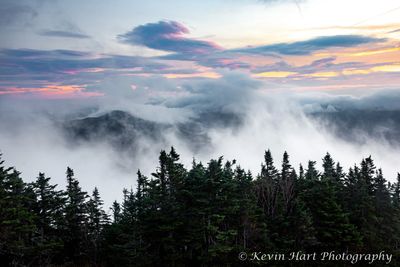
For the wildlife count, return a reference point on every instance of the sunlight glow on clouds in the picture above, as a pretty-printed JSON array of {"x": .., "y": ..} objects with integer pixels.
[
  {"x": 51, "y": 91},
  {"x": 301, "y": 43}
]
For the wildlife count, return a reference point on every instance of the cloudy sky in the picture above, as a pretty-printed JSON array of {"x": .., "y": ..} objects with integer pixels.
[
  {"x": 170, "y": 60},
  {"x": 80, "y": 49}
]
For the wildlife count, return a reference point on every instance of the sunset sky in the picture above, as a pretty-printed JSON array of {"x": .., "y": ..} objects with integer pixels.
[{"x": 153, "y": 49}]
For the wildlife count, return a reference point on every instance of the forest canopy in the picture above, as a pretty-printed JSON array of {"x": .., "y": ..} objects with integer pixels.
[{"x": 202, "y": 216}]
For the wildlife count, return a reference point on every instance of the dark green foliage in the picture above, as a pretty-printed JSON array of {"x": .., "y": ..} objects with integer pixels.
[
  {"x": 17, "y": 218},
  {"x": 48, "y": 208},
  {"x": 74, "y": 232},
  {"x": 203, "y": 216}
]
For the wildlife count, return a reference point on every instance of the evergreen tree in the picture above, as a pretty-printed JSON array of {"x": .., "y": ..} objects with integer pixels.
[
  {"x": 49, "y": 207},
  {"x": 203, "y": 216},
  {"x": 96, "y": 221},
  {"x": 267, "y": 186},
  {"x": 116, "y": 211},
  {"x": 312, "y": 174},
  {"x": 17, "y": 218},
  {"x": 75, "y": 225},
  {"x": 328, "y": 166}
]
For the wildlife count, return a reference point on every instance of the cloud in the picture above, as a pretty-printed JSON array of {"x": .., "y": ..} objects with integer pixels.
[
  {"x": 233, "y": 92},
  {"x": 274, "y": 121},
  {"x": 29, "y": 61},
  {"x": 12, "y": 13},
  {"x": 35, "y": 53},
  {"x": 323, "y": 64},
  {"x": 281, "y": 1},
  {"x": 64, "y": 34},
  {"x": 382, "y": 99},
  {"x": 167, "y": 36},
  {"x": 65, "y": 29},
  {"x": 28, "y": 71},
  {"x": 312, "y": 45}
]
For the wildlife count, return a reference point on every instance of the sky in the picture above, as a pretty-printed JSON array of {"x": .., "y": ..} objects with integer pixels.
[
  {"x": 270, "y": 61},
  {"x": 79, "y": 49}
]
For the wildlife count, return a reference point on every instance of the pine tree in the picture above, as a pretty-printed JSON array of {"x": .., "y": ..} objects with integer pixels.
[
  {"x": 97, "y": 220},
  {"x": 386, "y": 233},
  {"x": 331, "y": 222},
  {"x": 287, "y": 181},
  {"x": 367, "y": 173},
  {"x": 75, "y": 232},
  {"x": 49, "y": 216},
  {"x": 328, "y": 166},
  {"x": 396, "y": 215},
  {"x": 267, "y": 186},
  {"x": 116, "y": 211},
  {"x": 362, "y": 205},
  {"x": 17, "y": 218},
  {"x": 312, "y": 174},
  {"x": 200, "y": 217},
  {"x": 396, "y": 192}
]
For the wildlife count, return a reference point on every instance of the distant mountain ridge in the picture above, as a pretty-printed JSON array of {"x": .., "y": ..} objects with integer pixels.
[
  {"x": 123, "y": 130},
  {"x": 361, "y": 125}
]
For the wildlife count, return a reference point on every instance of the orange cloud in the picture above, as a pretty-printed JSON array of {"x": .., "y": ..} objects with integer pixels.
[
  {"x": 323, "y": 74},
  {"x": 375, "y": 51},
  {"x": 51, "y": 91},
  {"x": 210, "y": 75},
  {"x": 387, "y": 68},
  {"x": 274, "y": 74},
  {"x": 382, "y": 68}
]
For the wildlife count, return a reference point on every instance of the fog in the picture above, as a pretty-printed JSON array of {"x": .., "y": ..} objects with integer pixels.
[{"x": 32, "y": 140}]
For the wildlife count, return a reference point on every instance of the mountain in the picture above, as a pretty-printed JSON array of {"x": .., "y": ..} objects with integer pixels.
[
  {"x": 123, "y": 130},
  {"x": 117, "y": 127},
  {"x": 360, "y": 126}
]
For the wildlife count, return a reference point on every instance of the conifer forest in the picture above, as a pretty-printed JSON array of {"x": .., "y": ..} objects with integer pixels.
[{"x": 202, "y": 216}]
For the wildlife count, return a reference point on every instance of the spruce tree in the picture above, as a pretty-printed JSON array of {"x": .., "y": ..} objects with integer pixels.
[
  {"x": 75, "y": 226},
  {"x": 49, "y": 207},
  {"x": 96, "y": 221},
  {"x": 17, "y": 218}
]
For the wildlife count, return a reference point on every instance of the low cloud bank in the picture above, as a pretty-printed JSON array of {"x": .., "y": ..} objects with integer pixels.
[{"x": 32, "y": 140}]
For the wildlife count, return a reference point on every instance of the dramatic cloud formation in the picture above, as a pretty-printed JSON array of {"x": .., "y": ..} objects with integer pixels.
[
  {"x": 231, "y": 93},
  {"x": 167, "y": 36},
  {"x": 237, "y": 77},
  {"x": 266, "y": 119}
]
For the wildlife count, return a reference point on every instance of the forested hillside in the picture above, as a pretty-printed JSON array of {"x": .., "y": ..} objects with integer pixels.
[{"x": 202, "y": 216}]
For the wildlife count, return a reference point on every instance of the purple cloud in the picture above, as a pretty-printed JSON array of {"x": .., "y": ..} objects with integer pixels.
[
  {"x": 167, "y": 36},
  {"x": 312, "y": 45},
  {"x": 64, "y": 34}
]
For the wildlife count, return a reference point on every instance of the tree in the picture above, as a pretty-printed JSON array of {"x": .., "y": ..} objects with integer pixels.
[
  {"x": 328, "y": 165},
  {"x": 97, "y": 219},
  {"x": 203, "y": 216},
  {"x": 17, "y": 218},
  {"x": 267, "y": 186},
  {"x": 49, "y": 216},
  {"x": 75, "y": 232}
]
